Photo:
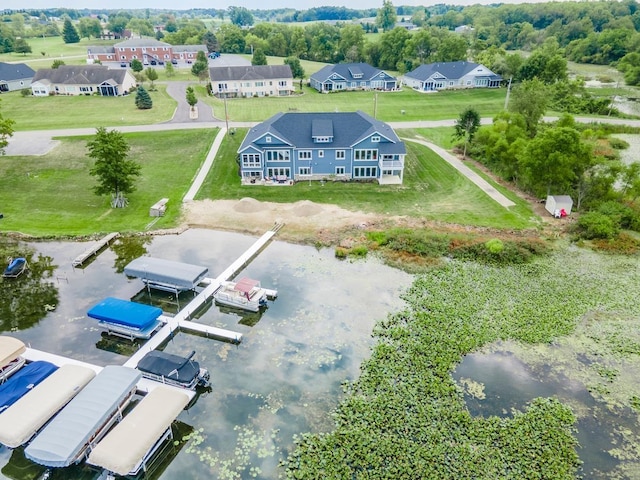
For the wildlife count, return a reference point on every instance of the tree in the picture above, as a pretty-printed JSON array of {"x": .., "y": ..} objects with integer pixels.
[
  {"x": 169, "y": 70},
  {"x": 200, "y": 70},
  {"x": 143, "y": 99},
  {"x": 386, "y": 18},
  {"x": 240, "y": 16},
  {"x": 118, "y": 24},
  {"x": 259, "y": 58},
  {"x": 56, "y": 63},
  {"x": 136, "y": 65},
  {"x": 89, "y": 27},
  {"x": 191, "y": 97},
  {"x": 152, "y": 75},
  {"x": 530, "y": 99},
  {"x": 466, "y": 127},
  {"x": 114, "y": 171},
  {"x": 296, "y": 68},
  {"x": 69, "y": 33},
  {"x": 21, "y": 46},
  {"x": 210, "y": 40},
  {"x": 6, "y": 131}
]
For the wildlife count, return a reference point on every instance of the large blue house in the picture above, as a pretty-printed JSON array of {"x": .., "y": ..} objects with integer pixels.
[
  {"x": 351, "y": 76},
  {"x": 316, "y": 146}
]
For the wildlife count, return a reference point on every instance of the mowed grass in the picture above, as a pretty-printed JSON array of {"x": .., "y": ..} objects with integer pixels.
[
  {"x": 432, "y": 189},
  {"x": 52, "y": 195},
  {"x": 59, "y": 111},
  {"x": 404, "y": 105},
  {"x": 54, "y": 48}
]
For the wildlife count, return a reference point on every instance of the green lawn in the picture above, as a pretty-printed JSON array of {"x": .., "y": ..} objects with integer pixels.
[
  {"x": 405, "y": 105},
  {"x": 55, "y": 112},
  {"x": 432, "y": 189},
  {"x": 51, "y": 195},
  {"x": 54, "y": 48}
]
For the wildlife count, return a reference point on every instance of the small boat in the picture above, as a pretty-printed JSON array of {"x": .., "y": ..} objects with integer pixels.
[
  {"x": 15, "y": 268},
  {"x": 246, "y": 294},
  {"x": 174, "y": 370}
]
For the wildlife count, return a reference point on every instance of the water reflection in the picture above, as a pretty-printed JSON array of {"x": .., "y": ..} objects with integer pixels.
[
  {"x": 25, "y": 300},
  {"x": 128, "y": 249},
  {"x": 286, "y": 375}
]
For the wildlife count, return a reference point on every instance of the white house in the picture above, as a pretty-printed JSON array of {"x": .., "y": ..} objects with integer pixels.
[{"x": 82, "y": 80}]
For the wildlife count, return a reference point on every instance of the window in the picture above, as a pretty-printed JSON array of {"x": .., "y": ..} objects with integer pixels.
[
  {"x": 279, "y": 172},
  {"x": 451, "y": 84},
  {"x": 133, "y": 49},
  {"x": 304, "y": 155},
  {"x": 250, "y": 160},
  {"x": 304, "y": 171},
  {"x": 322, "y": 139},
  {"x": 267, "y": 139},
  {"x": 365, "y": 155},
  {"x": 340, "y": 171},
  {"x": 85, "y": 89},
  {"x": 320, "y": 153},
  {"x": 340, "y": 155},
  {"x": 278, "y": 155},
  {"x": 375, "y": 139},
  {"x": 222, "y": 87},
  {"x": 365, "y": 172},
  {"x": 282, "y": 83},
  {"x": 259, "y": 84}
]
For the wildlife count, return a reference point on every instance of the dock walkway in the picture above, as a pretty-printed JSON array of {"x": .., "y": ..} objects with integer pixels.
[{"x": 94, "y": 249}]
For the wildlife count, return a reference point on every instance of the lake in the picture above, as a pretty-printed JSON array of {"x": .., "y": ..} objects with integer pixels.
[{"x": 284, "y": 379}]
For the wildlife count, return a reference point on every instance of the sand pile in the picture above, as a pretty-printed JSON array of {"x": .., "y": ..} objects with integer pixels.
[
  {"x": 305, "y": 208},
  {"x": 249, "y": 205}
]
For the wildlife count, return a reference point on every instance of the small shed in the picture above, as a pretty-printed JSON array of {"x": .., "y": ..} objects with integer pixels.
[{"x": 557, "y": 204}]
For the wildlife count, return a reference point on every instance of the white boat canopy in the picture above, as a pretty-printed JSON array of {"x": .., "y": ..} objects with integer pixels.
[
  {"x": 166, "y": 274},
  {"x": 125, "y": 448},
  {"x": 24, "y": 418},
  {"x": 85, "y": 419},
  {"x": 10, "y": 349}
]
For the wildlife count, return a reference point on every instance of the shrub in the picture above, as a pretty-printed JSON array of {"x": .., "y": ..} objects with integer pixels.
[
  {"x": 623, "y": 244},
  {"x": 341, "y": 253},
  {"x": 594, "y": 225},
  {"x": 359, "y": 251},
  {"x": 622, "y": 215},
  {"x": 618, "y": 143},
  {"x": 494, "y": 245},
  {"x": 25, "y": 92}
]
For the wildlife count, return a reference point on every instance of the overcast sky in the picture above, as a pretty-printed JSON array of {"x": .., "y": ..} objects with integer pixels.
[{"x": 250, "y": 4}]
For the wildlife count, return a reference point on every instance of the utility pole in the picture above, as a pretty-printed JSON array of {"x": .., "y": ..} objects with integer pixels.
[
  {"x": 506, "y": 100},
  {"x": 226, "y": 115},
  {"x": 375, "y": 105}
]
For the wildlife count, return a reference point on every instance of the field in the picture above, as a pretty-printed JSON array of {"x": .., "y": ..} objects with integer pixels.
[{"x": 51, "y": 195}]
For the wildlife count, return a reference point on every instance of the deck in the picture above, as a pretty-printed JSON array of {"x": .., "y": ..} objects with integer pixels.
[{"x": 94, "y": 249}]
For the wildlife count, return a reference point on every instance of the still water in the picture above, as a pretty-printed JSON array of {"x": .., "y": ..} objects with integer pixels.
[{"x": 285, "y": 377}]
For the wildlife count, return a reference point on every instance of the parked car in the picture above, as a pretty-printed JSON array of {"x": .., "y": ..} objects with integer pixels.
[
  {"x": 124, "y": 64},
  {"x": 174, "y": 61},
  {"x": 153, "y": 62}
]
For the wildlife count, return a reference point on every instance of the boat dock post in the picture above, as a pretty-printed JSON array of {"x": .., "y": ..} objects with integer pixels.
[{"x": 94, "y": 249}]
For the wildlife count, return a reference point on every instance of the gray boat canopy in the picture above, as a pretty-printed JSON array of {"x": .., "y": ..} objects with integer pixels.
[{"x": 166, "y": 274}]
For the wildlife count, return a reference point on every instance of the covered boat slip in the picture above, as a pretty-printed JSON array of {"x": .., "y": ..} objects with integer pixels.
[
  {"x": 68, "y": 438},
  {"x": 125, "y": 318},
  {"x": 173, "y": 370},
  {"x": 23, "y": 419},
  {"x": 10, "y": 360},
  {"x": 25, "y": 380},
  {"x": 166, "y": 274},
  {"x": 126, "y": 449}
]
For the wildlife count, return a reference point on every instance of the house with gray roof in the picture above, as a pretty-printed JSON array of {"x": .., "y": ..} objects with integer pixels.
[
  {"x": 448, "y": 75},
  {"x": 15, "y": 76},
  {"x": 352, "y": 76},
  {"x": 149, "y": 51},
  {"x": 315, "y": 146},
  {"x": 82, "y": 80},
  {"x": 251, "y": 81}
]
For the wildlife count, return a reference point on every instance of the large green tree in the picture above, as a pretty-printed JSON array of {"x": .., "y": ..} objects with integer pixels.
[
  {"x": 466, "y": 126},
  {"x": 89, "y": 27},
  {"x": 21, "y": 46},
  {"x": 296, "y": 67},
  {"x": 136, "y": 65},
  {"x": 386, "y": 17},
  {"x": 114, "y": 171},
  {"x": 69, "y": 33},
  {"x": 240, "y": 16},
  {"x": 259, "y": 58},
  {"x": 530, "y": 99},
  {"x": 6, "y": 131}
]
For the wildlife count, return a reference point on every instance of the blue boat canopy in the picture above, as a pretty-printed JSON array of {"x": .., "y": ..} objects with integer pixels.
[
  {"x": 23, "y": 382},
  {"x": 126, "y": 313}
]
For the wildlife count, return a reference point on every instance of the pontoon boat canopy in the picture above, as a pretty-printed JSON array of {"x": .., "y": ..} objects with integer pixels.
[
  {"x": 24, "y": 418},
  {"x": 24, "y": 381},
  {"x": 122, "y": 312},
  {"x": 174, "y": 367},
  {"x": 123, "y": 449},
  {"x": 245, "y": 285},
  {"x": 63, "y": 440},
  {"x": 10, "y": 349},
  {"x": 156, "y": 271}
]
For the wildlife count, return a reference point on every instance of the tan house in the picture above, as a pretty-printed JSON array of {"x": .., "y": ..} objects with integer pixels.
[
  {"x": 251, "y": 81},
  {"x": 82, "y": 80}
]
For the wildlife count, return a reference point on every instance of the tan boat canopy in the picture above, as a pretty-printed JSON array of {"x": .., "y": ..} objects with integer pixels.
[{"x": 10, "y": 349}]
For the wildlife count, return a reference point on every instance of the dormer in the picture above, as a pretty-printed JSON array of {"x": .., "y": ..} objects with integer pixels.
[
  {"x": 322, "y": 130},
  {"x": 355, "y": 72}
]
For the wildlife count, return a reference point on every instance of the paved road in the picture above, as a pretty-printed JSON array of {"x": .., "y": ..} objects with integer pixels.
[{"x": 178, "y": 91}]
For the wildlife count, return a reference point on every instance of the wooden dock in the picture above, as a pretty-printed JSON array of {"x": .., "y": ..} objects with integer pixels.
[{"x": 94, "y": 249}]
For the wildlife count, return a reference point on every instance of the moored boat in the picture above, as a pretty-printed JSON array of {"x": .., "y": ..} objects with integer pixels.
[
  {"x": 16, "y": 267},
  {"x": 173, "y": 370},
  {"x": 246, "y": 294}
]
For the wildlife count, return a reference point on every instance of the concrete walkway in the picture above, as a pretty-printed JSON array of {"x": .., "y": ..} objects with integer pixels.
[
  {"x": 206, "y": 166},
  {"x": 467, "y": 172}
]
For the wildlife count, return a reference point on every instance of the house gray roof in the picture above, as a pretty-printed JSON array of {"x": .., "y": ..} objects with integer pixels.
[
  {"x": 189, "y": 48},
  {"x": 101, "y": 49},
  {"x": 15, "y": 71},
  {"x": 448, "y": 70},
  {"x": 349, "y": 128},
  {"x": 81, "y": 75},
  {"x": 142, "y": 42},
  {"x": 347, "y": 71},
  {"x": 250, "y": 72}
]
